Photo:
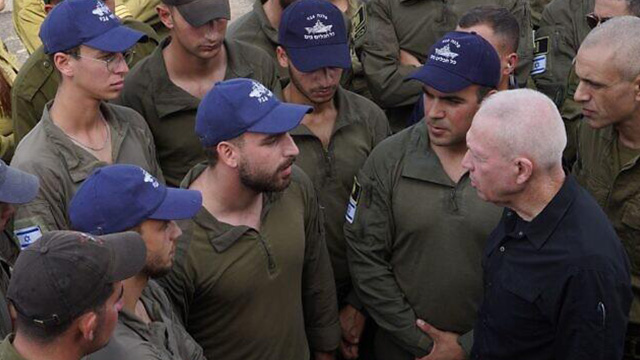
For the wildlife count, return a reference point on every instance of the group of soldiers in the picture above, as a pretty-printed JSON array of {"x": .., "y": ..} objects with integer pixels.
[{"x": 328, "y": 179}]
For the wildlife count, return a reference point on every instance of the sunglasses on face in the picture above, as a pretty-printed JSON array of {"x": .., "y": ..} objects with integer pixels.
[{"x": 594, "y": 20}]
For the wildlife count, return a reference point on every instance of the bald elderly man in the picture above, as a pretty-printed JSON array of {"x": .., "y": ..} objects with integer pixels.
[{"x": 556, "y": 278}]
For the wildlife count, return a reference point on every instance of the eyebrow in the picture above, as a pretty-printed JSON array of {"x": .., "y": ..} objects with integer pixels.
[
  {"x": 445, "y": 97},
  {"x": 270, "y": 137}
]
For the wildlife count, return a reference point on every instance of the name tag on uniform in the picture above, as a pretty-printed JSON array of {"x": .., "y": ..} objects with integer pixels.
[
  {"x": 28, "y": 236},
  {"x": 353, "y": 201}
]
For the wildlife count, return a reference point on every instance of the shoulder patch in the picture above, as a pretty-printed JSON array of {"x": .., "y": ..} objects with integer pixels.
[
  {"x": 539, "y": 65},
  {"x": 541, "y": 45},
  {"x": 359, "y": 23},
  {"x": 27, "y": 236},
  {"x": 353, "y": 201}
]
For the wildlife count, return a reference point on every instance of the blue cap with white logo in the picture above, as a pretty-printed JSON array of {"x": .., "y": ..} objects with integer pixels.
[
  {"x": 459, "y": 60},
  {"x": 119, "y": 197},
  {"x": 314, "y": 34},
  {"x": 236, "y": 106},
  {"x": 85, "y": 22}
]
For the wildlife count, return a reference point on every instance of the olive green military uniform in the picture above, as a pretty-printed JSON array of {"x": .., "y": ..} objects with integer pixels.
[
  {"x": 170, "y": 111},
  {"x": 249, "y": 294},
  {"x": 7, "y": 351},
  {"x": 562, "y": 29},
  {"x": 615, "y": 185},
  {"x": 414, "y": 244},
  {"x": 359, "y": 127},
  {"x": 37, "y": 81},
  {"x": 537, "y": 6},
  {"x": 8, "y": 70},
  {"x": 27, "y": 17},
  {"x": 414, "y": 26},
  {"x": 164, "y": 338},
  {"x": 62, "y": 166},
  {"x": 9, "y": 250},
  {"x": 145, "y": 11}
]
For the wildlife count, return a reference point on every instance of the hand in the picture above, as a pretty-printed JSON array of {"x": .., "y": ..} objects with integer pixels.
[
  {"x": 408, "y": 59},
  {"x": 352, "y": 323},
  {"x": 445, "y": 344},
  {"x": 324, "y": 356}
]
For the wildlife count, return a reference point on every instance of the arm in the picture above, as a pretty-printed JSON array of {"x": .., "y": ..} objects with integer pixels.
[
  {"x": 592, "y": 319},
  {"x": 318, "y": 287},
  {"x": 369, "y": 247},
  {"x": 381, "y": 61}
]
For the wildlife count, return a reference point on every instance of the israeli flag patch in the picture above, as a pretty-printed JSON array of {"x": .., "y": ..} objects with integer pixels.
[
  {"x": 353, "y": 201},
  {"x": 28, "y": 236},
  {"x": 539, "y": 65}
]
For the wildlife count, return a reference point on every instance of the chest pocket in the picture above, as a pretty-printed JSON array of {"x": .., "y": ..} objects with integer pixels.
[
  {"x": 520, "y": 297},
  {"x": 630, "y": 234}
]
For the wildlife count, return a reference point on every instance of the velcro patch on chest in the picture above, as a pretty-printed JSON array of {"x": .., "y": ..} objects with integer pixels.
[{"x": 353, "y": 201}]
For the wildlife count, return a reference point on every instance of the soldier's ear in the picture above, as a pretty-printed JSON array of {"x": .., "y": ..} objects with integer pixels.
[
  {"x": 524, "y": 168},
  {"x": 282, "y": 57},
  {"x": 512, "y": 63},
  {"x": 62, "y": 62},
  {"x": 164, "y": 13},
  {"x": 636, "y": 88}
]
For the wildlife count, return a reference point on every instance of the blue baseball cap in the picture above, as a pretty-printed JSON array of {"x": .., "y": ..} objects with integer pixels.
[
  {"x": 16, "y": 186},
  {"x": 236, "y": 106},
  {"x": 85, "y": 22},
  {"x": 314, "y": 34},
  {"x": 119, "y": 197},
  {"x": 459, "y": 60}
]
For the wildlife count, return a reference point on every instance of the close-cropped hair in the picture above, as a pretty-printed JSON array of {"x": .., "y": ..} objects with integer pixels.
[{"x": 499, "y": 19}]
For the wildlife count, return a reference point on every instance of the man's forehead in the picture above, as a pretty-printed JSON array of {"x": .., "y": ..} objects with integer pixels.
[{"x": 596, "y": 61}]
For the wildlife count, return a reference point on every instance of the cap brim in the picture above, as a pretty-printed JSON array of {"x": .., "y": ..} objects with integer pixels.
[
  {"x": 178, "y": 204},
  {"x": 19, "y": 187},
  {"x": 282, "y": 118},
  {"x": 313, "y": 58},
  {"x": 129, "y": 252},
  {"x": 200, "y": 12},
  {"x": 116, "y": 40},
  {"x": 440, "y": 79}
]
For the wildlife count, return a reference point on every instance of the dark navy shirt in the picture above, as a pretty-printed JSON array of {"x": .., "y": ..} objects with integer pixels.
[{"x": 557, "y": 287}]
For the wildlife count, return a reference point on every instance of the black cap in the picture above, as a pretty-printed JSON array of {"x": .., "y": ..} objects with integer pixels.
[{"x": 63, "y": 274}]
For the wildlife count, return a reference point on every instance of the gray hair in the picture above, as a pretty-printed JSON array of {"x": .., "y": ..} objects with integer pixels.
[
  {"x": 620, "y": 37},
  {"x": 524, "y": 123}
]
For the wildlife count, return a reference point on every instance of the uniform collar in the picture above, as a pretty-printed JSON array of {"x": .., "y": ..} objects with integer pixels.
[
  {"x": 7, "y": 351},
  {"x": 540, "y": 229},
  {"x": 222, "y": 235},
  {"x": 347, "y": 115},
  {"x": 421, "y": 162},
  {"x": 169, "y": 98},
  {"x": 81, "y": 163},
  {"x": 265, "y": 24}
]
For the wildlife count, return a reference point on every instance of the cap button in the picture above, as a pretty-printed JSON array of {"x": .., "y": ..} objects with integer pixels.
[{"x": 44, "y": 249}]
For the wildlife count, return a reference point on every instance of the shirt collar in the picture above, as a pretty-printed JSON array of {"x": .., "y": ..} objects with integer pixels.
[
  {"x": 347, "y": 115},
  {"x": 81, "y": 163},
  {"x": 267, "y": 28}
]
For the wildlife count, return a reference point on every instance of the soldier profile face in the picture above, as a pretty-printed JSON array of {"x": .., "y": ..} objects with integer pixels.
[
  {"x": 607, "y": 98},
  {"x": 160, "y": 238},
  {"x": 99, "y": 73},
  {"x": 204, "y": 42},
  {"x": 265, "y": 161},
  {"x": 449, "y": 115}
]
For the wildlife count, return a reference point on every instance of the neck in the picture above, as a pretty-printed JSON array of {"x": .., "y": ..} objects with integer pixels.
[
  {"x": 629, "y": 132},
  {"x": 59, "y": 349},
  {"x": 133, "y": 290},
  {"x": 451, "y": 154},
  {"x": 273, "y": 10},
  {"x": 73, "y": 112},
  {"x": 538, "y": 194},
  {"x": 184, "y": 65},
  {"x": 343, "y": 5},
  {"x": 223, "y": 193},
  {"x": 293, "y": 95}
]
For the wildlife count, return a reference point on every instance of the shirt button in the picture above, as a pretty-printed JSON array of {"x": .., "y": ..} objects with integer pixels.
[
  {"x": 509, "y": 214},
  {"x": 45, "y": 64},
  {"x": 502, "y": 248},
  {"x": 520, "y": 234}
]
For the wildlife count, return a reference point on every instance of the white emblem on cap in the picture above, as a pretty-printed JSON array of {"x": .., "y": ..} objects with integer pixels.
[
  {"x": 102, "y": 12},
  {"x": 444, "y": 54},
  {"x": 319, "y": 30},
  {"x": 148, "y": 178},
  {"x": 260, "y": 92}
]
